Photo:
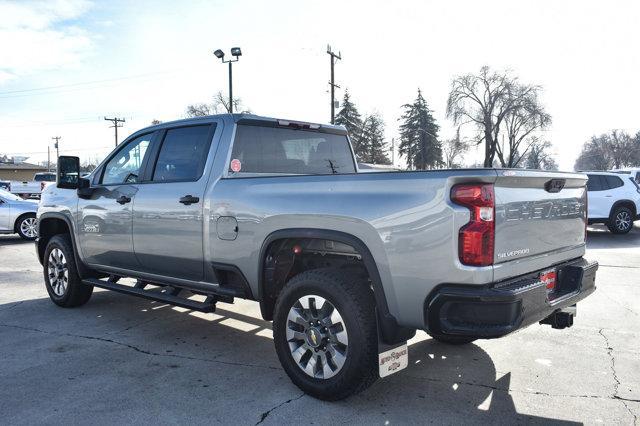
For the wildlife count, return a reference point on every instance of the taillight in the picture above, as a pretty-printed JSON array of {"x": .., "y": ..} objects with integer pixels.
[
  {"x": 41, "y": 186},
  {"x": 476, "y": 238}
]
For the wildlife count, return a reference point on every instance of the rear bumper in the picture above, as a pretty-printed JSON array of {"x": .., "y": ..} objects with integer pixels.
[{"x": 503, "y": 307}]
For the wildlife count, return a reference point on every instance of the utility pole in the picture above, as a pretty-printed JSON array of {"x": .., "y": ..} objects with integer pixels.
[
  {"x": 393, "y": 152},
  {"x": 48, "y": 158},
  {"x": 333, "y": 57},
  {"x": 57, "y": 139},
  {"x": 115, "y": 121}
]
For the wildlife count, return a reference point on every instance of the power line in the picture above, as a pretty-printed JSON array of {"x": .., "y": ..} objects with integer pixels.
[
  {"x": 115, "y": 121},
  {"x": 30, "y": 92}
]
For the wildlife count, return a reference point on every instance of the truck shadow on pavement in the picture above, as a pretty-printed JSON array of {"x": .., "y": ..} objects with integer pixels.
[
  {"x": 10, "y": 240},
  {"x": 178, "y": 364}
]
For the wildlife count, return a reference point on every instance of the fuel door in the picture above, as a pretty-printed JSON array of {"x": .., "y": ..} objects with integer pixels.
[{"x": 227, "y": 228}]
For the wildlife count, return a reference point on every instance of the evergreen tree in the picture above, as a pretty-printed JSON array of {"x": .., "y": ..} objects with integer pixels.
[
  {"x": 373, "y": 146},
  {"x": 350, "y": 118},
  {"x": 419, "y": 142}
]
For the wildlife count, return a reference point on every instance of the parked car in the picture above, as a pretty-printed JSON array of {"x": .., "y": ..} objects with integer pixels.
[
  {"x": 634, "y": 174},
  {"x": 347, "y": 264},
  {"x": 32, "y": 189},
  {"x": 614, "y": 199},
  {"x": 18, "y": 216},
  {"x": 4, "y": 184}
]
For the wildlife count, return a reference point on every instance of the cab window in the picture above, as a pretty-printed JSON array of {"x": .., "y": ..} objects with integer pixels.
[
  {"x": 183, "y": 154},
  {"x": 124, "y": 167}
]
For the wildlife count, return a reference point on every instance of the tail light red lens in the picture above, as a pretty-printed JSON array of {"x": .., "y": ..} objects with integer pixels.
[
  {"x": 476, "y": 238},
  {"x": 41, "y": 186}
]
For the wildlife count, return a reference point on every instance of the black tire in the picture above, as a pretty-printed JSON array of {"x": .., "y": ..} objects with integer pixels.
[
  {"x": 621, "y": 220},
  {"x": 354, "y": 301},
  {"x": 453, "y": 340},
  {"x": 27, "y": 218},
  {"x": 76, "y": 293}
]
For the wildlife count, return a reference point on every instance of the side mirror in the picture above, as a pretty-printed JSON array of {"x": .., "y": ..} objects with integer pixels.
[{"x": 68, "y": 172}]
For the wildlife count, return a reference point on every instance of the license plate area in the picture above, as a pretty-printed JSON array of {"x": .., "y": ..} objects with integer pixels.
[{"x": 550, "y": 279}]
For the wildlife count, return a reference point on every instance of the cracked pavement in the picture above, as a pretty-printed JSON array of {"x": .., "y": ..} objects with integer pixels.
[{"x": 120, "y": 359}]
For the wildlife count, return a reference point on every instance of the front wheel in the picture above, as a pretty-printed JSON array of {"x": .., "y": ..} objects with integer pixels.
[
  {"x": 325, "y": 333},
  {"x": 621, "y": 221},
  {"x": 27, "y": 227},
  {"x": 61, "y": 277}
]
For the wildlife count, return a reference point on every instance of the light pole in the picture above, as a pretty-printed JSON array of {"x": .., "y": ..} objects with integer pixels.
[{"x": 236, "y": 53}]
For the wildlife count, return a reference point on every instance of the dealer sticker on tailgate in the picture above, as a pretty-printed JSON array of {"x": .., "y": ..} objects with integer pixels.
[{"x": 393, "y": 360}]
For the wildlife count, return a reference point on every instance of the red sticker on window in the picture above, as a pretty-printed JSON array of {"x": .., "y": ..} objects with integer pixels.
[{"x": 236, "y": 165}]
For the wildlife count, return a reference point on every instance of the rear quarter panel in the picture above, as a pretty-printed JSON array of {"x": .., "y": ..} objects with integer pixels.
[{"x": 405, "y": 219}]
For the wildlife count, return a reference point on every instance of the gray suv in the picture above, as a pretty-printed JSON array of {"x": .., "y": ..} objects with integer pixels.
[{"x": 348, "y": 265}]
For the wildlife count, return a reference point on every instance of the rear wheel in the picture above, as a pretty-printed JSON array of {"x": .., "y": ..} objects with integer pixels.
[
  {"x": 325, "y": 333},
  {"x": 27, "y": 227},
  {"x": 621, "y": 220},
  {"x": 452, "y": 340},
  {"x": 61, "y": 277}
]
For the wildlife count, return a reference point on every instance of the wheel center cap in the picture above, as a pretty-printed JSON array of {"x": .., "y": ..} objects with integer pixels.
[{"x": 314, "y": 337}]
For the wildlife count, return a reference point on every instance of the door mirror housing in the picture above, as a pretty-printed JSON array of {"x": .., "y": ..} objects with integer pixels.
[{"x": 68, "y": 175}]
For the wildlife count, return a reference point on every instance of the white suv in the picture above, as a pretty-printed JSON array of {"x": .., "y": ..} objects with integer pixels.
[{"x": 614, "y": 199}]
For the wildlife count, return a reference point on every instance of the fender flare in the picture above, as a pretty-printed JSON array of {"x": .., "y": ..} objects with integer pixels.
[
  {"x": 623, "y": 201},
  {"x": 388, "y": 326},
  {"x": 83, "y": 271}
]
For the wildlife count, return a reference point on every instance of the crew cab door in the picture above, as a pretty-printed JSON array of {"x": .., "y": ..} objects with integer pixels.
[
  {"x": 105, "y": 218},
  {"x": 168, "y": 208}
]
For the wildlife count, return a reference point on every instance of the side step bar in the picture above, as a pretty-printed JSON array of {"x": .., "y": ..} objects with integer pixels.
[{"x": 171, "y": 297}]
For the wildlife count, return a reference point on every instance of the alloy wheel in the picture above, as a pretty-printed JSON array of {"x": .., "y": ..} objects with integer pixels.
[
  {"x": 623, "y": 220},
  {"x": 58, "y": 272},
  {"x": 317, "y": 337},
  {"x": 29, "y": 227}
]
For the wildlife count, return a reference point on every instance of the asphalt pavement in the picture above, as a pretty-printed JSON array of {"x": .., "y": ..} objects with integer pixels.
[{"x": 120, "y": 359}]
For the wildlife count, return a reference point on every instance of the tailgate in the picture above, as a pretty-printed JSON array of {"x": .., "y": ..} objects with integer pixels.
[{"x": 538, "y": 213}]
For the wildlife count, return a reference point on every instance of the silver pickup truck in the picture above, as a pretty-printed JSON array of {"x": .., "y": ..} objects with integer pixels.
[{"x": 348, "y": 265}]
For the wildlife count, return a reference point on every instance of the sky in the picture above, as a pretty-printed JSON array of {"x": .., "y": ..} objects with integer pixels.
[{"x": 66, "y": 64}]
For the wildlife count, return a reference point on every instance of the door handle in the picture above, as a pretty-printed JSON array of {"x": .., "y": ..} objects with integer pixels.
[
  {"x": 123, "y": 199},
  {"x": 189, "y": 199}
]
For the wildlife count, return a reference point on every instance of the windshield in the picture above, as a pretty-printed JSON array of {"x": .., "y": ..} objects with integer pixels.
[{"x": 9, "y": 196}]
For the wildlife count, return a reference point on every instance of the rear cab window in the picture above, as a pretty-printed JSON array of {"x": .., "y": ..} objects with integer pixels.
[
  {"x": 259, "y": 150},
  {"x": 45, "y": 177}
]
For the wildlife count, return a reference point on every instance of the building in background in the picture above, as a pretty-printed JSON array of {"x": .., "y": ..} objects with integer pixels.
[{"x": 19, "y": 171}]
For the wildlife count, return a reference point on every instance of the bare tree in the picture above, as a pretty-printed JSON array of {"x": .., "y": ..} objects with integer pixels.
[
  {"x": 521, "y": 122},
  {"x": 453, "y": 149},
  {"x": 155, "y": 121},
  {"x": 612, "y": 150},
  {"x": 488, "y": 100},
  {"x": 538, "y": 156},
  {"x": 199, "y": 110},
  {"x": 219, "y": 105}
]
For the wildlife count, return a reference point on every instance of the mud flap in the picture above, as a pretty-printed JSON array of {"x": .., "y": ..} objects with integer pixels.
[{"x": 391, "y": 358}]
